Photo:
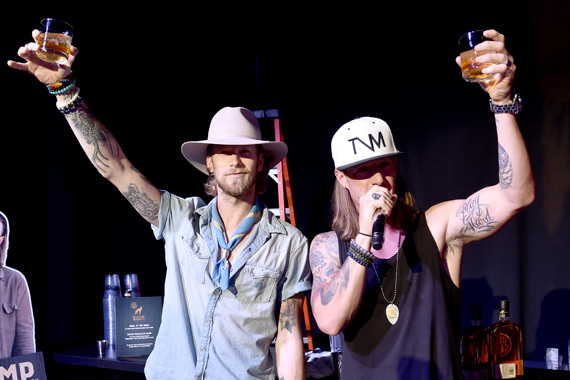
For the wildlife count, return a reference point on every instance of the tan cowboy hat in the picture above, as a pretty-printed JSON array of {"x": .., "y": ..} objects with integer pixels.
[{"x": 232, "y": 126}]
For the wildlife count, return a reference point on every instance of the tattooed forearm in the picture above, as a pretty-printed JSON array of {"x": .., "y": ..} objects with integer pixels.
[
  {"x": 476, "y": 217},
  {"x": 95, "y": 134},
  {"x": 505, "y": 169},
  {"x": 142, "y": 203},
  {"x": 288, "y": 315}
]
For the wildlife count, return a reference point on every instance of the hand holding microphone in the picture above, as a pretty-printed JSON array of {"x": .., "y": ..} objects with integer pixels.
[
  {"x": 379, "y": 225},
  {"x": 378, "y": 231}
]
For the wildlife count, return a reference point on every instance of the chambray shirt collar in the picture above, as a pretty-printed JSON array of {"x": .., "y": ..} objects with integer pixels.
[{"x": 267, "y": 224}]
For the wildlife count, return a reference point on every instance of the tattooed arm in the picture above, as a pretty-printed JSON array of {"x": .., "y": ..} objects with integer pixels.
[
  {"x": 337, "y": 290},
  {"x": 98, "y": 143},
  {"x": 456, "y": 223},
  {"x": 106, "y": 155},
  {"x": 289, "y": 348}
]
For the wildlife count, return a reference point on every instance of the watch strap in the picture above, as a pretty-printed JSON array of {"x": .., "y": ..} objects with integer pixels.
[{"x": 515, "y": 107}]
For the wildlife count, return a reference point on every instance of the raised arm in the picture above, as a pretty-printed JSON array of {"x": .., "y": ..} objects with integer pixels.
[
  {"x": 97, "y": 141},
  {"x": 456, "y": 223}
]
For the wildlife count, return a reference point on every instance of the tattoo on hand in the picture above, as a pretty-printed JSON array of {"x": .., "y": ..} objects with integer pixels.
[
  {"x": 476, "y": 217},
  {"x": 141, "y": 202},
  {"x": 505, "y": 169}
]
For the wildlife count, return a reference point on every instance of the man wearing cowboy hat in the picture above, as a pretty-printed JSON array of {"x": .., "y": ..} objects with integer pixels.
[{"x": 236, "y": 274}]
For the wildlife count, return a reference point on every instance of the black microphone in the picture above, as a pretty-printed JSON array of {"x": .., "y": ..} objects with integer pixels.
[{"x": 378, "y": 232}]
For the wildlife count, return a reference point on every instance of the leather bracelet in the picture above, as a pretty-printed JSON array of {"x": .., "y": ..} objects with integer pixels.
[{"x": 362, "y": 233}]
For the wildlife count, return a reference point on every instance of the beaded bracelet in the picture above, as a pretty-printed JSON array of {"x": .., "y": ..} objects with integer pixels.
[
  {"x": 62, "y": 86},
  {"x": 359, "y": 254},
  {"x": 359, "y": 261},
  {"x": 70, "y": 106}
]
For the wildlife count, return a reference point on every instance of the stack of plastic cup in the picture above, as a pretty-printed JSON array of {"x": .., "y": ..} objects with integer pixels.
[
  {"x": 131, "y": 285},
  {"x": 112, "y": 291}
]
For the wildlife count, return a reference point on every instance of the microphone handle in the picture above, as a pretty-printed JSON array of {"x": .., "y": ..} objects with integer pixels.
[{"x": 378, "y": 231}]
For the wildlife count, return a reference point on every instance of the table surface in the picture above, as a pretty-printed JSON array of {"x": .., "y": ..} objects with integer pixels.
[{"x": 88, "y": 356}]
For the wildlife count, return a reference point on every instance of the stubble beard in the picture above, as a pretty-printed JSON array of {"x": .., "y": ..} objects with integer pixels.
[{"x": 239, "y": 186}]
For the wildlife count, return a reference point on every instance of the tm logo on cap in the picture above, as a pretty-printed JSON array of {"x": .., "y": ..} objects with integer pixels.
[
  {"x": 369, "y": 138},
  {"x": 373, "y": 142}
]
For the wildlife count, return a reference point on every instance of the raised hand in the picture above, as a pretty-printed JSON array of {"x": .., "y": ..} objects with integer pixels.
[{"x": 46, "y": 73}]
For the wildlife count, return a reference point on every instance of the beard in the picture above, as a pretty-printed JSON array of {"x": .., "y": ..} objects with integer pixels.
[{"x": 236, "y": 187}]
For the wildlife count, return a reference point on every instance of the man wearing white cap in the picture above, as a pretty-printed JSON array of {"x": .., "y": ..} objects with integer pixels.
[
  {"x": 236, "y": 274},
  {"x": 387, "y": 277}
]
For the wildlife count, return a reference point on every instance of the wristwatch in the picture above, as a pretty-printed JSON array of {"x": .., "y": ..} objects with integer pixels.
[{"x": 514, "y": 108}]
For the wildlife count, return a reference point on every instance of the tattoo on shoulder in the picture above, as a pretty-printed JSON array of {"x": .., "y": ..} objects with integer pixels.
[
  {"x": 476, "y": 217},
  {"x": 288, "y": 315},
  {"x": 505, "y": 169},
  {"x": 141, "y": 202},
  {"x": 328, "y": 275}
]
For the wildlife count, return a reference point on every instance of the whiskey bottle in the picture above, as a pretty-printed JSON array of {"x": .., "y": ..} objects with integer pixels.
[
  {"x": 475, "y": 347},
  {"x": 506, "y": 346}
]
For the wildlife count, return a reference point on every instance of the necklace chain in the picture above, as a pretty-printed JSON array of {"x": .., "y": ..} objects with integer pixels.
[{"x": 396, "y": 277}]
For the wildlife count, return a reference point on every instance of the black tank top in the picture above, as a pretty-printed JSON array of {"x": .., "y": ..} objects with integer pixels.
[{"x": 424, "y": 342}]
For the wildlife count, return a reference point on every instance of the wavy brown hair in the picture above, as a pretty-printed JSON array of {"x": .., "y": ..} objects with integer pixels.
[{"x": 345, "y": 213}]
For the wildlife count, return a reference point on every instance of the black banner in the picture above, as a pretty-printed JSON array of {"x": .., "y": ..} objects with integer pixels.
[{"x": 24, "y": 367}]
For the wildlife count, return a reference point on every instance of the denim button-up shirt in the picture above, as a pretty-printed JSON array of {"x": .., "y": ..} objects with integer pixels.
[
  {"x": 17, "y": 336},
  {"x": 207, "y": 333}
]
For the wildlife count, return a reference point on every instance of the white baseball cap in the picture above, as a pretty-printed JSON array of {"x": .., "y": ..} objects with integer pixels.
[{"x": 362, "y": 140}]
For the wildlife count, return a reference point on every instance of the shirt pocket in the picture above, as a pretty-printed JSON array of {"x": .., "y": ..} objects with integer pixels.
[
  {"x": 256, "y": 284},
  {"x": 8, "y": 323},
  {"x": 9, "y": 308}
]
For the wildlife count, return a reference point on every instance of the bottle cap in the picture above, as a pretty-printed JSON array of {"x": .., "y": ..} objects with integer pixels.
[{"x": 504, "y": 306}]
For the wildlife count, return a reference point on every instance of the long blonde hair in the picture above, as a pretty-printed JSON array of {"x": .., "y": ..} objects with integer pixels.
[{"x": 345, "y": 213}]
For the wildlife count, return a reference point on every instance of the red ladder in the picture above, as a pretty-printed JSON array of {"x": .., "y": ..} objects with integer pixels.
[{"x": 284, "y": 188}]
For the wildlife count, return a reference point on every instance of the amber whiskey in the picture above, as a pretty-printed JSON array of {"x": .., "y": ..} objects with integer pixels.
[
  {"x": 475, "y": 348},
  {"x": 506, "y": 346}
]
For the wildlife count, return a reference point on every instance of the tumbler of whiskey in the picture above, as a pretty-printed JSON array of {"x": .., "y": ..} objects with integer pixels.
[
  {"x": 55, "y": 41},
  {"x": 470, "y": 69}
]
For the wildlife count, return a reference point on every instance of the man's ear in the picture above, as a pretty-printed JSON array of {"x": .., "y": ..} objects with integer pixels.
[
  {"x": 209, "y": 164},
  {"x": 260, "y": 162},
  {"x": 341, "y": 178}
]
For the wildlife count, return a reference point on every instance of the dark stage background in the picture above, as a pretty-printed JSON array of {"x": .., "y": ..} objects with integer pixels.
[{"x": 156, "y": 75}]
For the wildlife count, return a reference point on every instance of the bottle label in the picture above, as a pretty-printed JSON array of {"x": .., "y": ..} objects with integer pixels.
[
  {"x": 506, "y": 345},
  {"x": 505, "y": 371}
]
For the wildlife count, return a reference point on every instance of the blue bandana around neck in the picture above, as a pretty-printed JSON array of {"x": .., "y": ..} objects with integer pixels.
[{"x": 222, "y": 267}]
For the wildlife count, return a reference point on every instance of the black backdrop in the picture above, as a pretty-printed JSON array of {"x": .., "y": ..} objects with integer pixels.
[{"x": 156, "y": 75}]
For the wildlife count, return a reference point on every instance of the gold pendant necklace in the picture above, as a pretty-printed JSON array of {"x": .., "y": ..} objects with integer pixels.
[{"x": 392, "y": 311}]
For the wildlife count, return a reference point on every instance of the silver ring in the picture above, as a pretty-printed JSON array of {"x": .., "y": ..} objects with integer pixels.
[
  {"x": 376, "y": 196},
  {"x": 507, "y": 60}
]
